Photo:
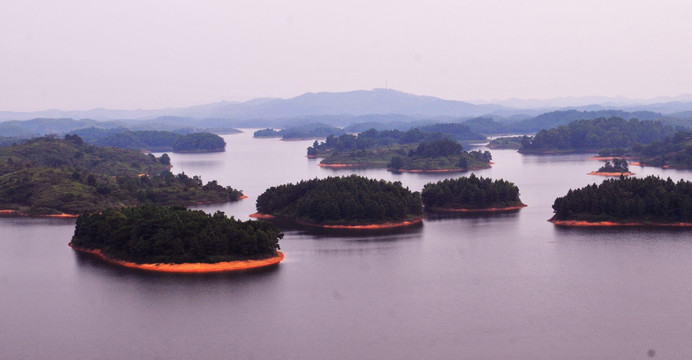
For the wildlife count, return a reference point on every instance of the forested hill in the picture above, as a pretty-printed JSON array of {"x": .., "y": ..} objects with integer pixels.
[
  {"x": 593, "y": 135},
  {"x": 49, "y": 175},
  {"x": 673, "y": 151},
  {"x": 351, "y": 200},
  {"x": 470, "y": 193}
]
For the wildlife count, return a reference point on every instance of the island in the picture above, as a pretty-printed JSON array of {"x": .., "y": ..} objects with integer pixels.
[
  {"x": 471, "y": 195},
  {"x": 650, "y": 201},
  {"x": 49, "y": 176},
  {"x": 268, "y": 133},
  {"x": 594, "y": 135},
  {"x": 619, "y": 167},
  {"x": 174, "y": 239},
  {"x": 350, "y": 202},
  {"x": 440, "y": 156},
  {"x": 506, "y": 142}
]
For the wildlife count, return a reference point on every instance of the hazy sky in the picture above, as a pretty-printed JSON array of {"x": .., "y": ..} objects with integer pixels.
[{"x": 75, "y": 55}]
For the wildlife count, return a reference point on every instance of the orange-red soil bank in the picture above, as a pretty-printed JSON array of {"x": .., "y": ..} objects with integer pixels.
[
  {"x": 437, "y": 170},
  {"x": 575, "y": 223},
  {"x": 611, "y": 173},
  {"x": 390, "y": 225},
  {"x": 197, "y": 268},
  {"x": 502, "y": 209},
  {"x": 19, "y": 213},
  {"x": 262, "y": 216},
  {"x": 609, "y": 158}
]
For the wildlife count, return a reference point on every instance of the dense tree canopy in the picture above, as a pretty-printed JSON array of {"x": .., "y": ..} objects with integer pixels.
[
  {"x": 628, "y": 199},
  {"x": 268, "y": 132},
  {"x": 470, "y": 193},
  {"x": 442, "y": 154},
  {"x": 48, "y": 175},
  {"x": 152, "y": 140},
  {"x": 347, "y": 200},
  {"x": 592, "y": 135},
  {"x": 156, "y": 234},
  {"x": 674, "y": 151},
  {"x": 370, "y": 139}
]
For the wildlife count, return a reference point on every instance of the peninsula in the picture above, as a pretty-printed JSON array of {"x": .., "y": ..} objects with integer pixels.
[
  {"x": 173, "y": 239},
  {"x": 51, "y": 176}
]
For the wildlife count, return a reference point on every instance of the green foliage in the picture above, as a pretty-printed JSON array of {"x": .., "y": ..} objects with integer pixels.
[
  {"x": 347, "y": 200},
  {"x": 592, "y": 135},
  {"x": 442, "y": 154},
  {"x": 510, "y": 142},
  {"x": 370, "y": 139},
  {"x": 618, "y": 165},
  {"x": 470, "y": 193},
  {"x": 48, "y": 175},
  {"x": 152, "y": 140},
  {"x": 268, "y": 132},
  {"x": 156, "y": 234},
  {"x": 311, "y": 131},
  {"x": 674, "y": 151},
  {"x": 628, "y": 199},
  {"x": 199, "y": 142},
  {"x": 457, "y": 131}
]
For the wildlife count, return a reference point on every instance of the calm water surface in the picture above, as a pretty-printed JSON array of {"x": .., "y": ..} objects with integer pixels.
[{"x": 508, "y": 286}]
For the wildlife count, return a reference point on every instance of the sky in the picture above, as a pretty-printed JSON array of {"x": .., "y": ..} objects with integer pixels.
[{"x": 151, "y": 54}]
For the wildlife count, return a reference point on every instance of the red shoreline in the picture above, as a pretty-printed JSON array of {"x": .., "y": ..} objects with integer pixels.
[
  {"x": 344, "y": 165},
  {"x": 262, "y": 216},
  {"x": 437, "y": 170},
  {"x": 483, "y": 210},
  {"x": 611, "y": 173},
  {"x": 19, "y": 213},
  {"x": 389, "y": 225},
  {"x": 191, "y": 268},
  {"x": 579, "y": 223}
]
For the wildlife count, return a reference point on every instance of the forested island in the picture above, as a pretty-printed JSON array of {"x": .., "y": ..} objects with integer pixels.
[
  {"x": 471, "y": 195},
  {"x": 593, "y": 135},
  {"x": 175, "y": 239},
  {"x": 51, "y": 176},
  {"x": 153, "y": 140},
  {"x": 351, "y": 202},
  {"x": 508, "y": 142},
  {"x": 369, "y": 139},
  {"x": 627, "y": 201},
  {"x": 440, "y": 156},
  {"x": 268, "y": 133},
  {"x": 618, "y": 167}
]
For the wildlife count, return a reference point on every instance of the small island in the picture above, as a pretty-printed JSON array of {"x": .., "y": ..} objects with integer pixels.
[
  {"x": 650, "y": 201},
  {"x": 153, "y": 140},
  {"x": 619, "y": 167},
  {"x": 174, "y": 239},
  {"x": 506, "y": 142},
  {"x": 351, "y": 202},
  {"x": 268, "y": 133},
  {"x": 471, "y": 195}
]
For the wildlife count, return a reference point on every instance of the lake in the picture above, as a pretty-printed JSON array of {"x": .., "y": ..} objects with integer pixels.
[{"x": 506, "y": 286}]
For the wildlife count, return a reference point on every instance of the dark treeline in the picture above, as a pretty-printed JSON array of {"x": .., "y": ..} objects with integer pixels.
[
  {"x": 347, "y": 200},
  {"x": 457, "y": 131},
  {"x": 470, "y": 193},
  {"x": 370, "y": 139},
  {"x": 155, "y": 234},
  {"x": 310, "y": 131},
  {"x": 592, "y": 135},
  {"x": 628, "y": 199},
  {"x": 268, "y": 132},
  {"x": 152, "y": 140}
]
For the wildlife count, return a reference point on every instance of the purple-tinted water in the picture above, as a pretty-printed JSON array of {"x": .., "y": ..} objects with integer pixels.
[{"x": 508, "y": 286}]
